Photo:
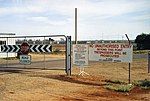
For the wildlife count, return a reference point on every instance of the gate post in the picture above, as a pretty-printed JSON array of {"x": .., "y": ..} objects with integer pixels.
[
  {"x": 148, "y": 62},
  {"x": 68, "y": 55}
]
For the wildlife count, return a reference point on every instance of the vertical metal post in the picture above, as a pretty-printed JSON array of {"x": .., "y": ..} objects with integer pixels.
[
  {"x": 25, "y": 40},
  {"x": 129, "y": 73},
  {"x": 7, "y": 55},
  {"x": 129, "y": 63},
  {"x": 70, "y": 44},
  {"x": 44, "y": 56},
  {"x": 68, "y": 55},
  {"x": 148, "y": 62},
  {"x": 75, "y": 25}
]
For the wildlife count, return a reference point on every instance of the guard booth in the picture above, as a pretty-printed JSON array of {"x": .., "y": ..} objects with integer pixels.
[{"x": 44, "y": 52}]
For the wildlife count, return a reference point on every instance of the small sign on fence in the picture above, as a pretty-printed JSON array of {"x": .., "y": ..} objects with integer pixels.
[
  {"x": 25, "y": 59},
  {"x": 24, "y": 48},
  {"x": 111, "y": 52},
  {"x": 80, "y": 54}
]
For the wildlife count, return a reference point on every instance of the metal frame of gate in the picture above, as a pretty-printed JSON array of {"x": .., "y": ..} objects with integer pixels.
[{"x": 67, "y": 49}]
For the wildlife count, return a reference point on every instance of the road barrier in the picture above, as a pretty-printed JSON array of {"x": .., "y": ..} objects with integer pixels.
[{"x": 36, "y": 48}]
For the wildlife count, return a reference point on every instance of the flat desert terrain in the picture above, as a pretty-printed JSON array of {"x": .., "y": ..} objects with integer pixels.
[{"x": 38, "y": 84}]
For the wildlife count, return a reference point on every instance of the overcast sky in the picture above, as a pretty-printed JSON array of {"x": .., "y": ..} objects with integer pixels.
[{"x": 97, "y": 19}]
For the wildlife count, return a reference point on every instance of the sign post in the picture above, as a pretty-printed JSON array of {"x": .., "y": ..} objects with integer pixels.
[
  {"x": 129, "y": 62},
  {"x": 80, "y": 57}
]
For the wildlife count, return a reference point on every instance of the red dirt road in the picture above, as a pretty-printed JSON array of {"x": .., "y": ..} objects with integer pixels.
[
  {"x": 37, "y": 84},
  {"x": 40, "y": 86}
]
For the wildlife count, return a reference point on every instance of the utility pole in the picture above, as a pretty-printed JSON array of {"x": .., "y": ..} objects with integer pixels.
[{"x": 75, "y": 25}]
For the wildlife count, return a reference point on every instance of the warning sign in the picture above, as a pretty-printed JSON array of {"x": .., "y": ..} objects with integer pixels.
[
  {"x": 80, "y": 55},
  {"x": 111, "y": 52},
  {"x": 24, "y": 48}
]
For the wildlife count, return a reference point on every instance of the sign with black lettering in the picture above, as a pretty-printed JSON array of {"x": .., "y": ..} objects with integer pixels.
[
  {"x": 80, "y": 55},
  {"x": 25, "y": 59}
]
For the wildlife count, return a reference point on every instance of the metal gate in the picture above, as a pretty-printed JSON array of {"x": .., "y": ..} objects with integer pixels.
[{"x": 39, "y": 59}]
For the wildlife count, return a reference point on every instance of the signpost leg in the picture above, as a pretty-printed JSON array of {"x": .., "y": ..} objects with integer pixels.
[
  {"x": 82, "y": 71},
  {"x": 44, "y": 61},
  {"x": 7, "y": 60}
]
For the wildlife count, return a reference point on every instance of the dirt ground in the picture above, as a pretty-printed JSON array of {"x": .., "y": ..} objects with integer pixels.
[{"x": 54, "y": 85}]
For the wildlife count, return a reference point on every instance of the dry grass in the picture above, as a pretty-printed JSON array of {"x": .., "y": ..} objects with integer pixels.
[
  {"x": 119, "y": 71},
  {"x": 34, "y": 57},
  {"x": 37, "y": 57},
  {"x": 54, "y": 85}
]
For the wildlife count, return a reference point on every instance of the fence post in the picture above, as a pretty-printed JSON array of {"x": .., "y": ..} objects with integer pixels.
[
  {"x": 7, "y": 54},
  {"x": 68, "y": 55},
  {"x": 148, "y": 62},
  {"x": 129, "y": 63}
]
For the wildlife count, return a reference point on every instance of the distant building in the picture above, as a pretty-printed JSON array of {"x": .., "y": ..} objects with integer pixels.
[{"x": 7, "y": 41}]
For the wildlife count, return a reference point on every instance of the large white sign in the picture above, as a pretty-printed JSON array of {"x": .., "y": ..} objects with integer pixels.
[
  {"x": 80, "y": 54},
  {"x": 111, "y": 52},
  {"x": 25, "y": 59}
]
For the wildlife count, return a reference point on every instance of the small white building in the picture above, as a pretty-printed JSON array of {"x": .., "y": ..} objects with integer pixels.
[{"x": 7, "y": 41}]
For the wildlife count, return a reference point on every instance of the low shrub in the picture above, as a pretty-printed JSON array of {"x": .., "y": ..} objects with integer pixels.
[
  {"x": 120, "y": 88},
  {"x": 145, "y": 84},
  {"x": 141, "y": 52}
]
